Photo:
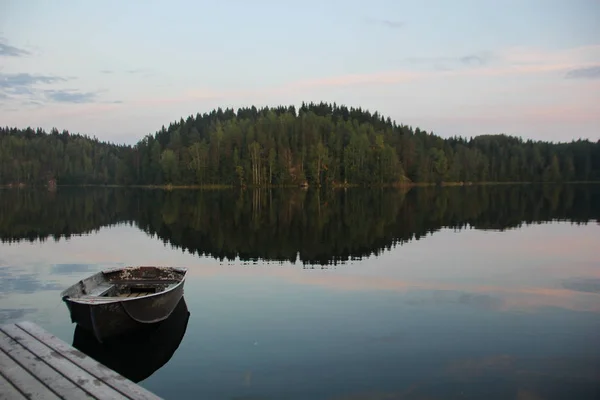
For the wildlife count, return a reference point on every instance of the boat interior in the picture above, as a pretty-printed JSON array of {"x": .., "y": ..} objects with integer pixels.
[{"x": 129, "y": 289}]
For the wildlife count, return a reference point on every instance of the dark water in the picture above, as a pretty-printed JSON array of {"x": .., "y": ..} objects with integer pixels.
[{"x": 469, "y": 293}]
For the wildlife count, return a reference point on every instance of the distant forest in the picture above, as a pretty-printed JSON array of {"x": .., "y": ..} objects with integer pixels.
[{"x": 316, "y": 145}]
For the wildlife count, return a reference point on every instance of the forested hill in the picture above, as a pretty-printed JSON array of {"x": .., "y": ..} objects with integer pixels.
[{"x": 318, "y": 144}]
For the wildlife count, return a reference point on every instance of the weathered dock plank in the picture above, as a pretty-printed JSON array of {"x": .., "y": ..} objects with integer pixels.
[
  {"x": 47, "y": 366},
  {"x": 27, "y": 383},
  {"x": 8, "y": 391},
  {"x": 42, "y": 371},
  {"x": 38, "y": 365}
]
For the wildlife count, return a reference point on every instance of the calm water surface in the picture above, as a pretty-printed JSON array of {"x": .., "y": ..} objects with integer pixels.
[{"x": 466, "y": 293}]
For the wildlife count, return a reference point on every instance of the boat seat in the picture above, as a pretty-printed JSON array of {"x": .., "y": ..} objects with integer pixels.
[{"x": 101, "y": 289}]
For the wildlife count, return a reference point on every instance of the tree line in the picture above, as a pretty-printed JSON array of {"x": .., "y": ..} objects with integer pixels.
[
  {"x": 306, "y": 226},
  {"x": 316, "y": 145}
]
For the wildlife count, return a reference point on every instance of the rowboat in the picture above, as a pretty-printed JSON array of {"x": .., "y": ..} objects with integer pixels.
[
  {"x": 139, "y": 354},
  {"x": 120, "y": 300}
]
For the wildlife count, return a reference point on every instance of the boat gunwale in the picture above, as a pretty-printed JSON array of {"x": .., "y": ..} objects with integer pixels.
[{"x": 91, "y": 300}]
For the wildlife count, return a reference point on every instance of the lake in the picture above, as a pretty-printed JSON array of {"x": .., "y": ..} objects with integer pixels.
[{"x": 429, "y": 293}]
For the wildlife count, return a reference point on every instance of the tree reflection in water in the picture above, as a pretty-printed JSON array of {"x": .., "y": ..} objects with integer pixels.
[{"x": 313, "y": 226}]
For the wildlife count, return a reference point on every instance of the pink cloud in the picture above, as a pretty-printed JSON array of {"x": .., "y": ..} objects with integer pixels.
[
  {"x": 528, "y": 56},
  {"x": 526, "y": 115},
  {"x": 389, "y": 77},
  {"x": 513, "y": 61},
  {"x": 187, "y": 96},
  {"x": 54, "y": 111},
  {"x": 516, "y": 69},
  {"x": 521, "y": 60},
  {"x": 510, "y": 61},
  {"x": 578, "y": 104}
]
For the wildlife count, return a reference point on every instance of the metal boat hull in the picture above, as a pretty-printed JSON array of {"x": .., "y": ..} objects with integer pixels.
[{"x": 109, "y": 315}]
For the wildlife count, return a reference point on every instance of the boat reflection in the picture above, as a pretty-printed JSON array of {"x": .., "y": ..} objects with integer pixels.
[{"x": 139, "y": 354}]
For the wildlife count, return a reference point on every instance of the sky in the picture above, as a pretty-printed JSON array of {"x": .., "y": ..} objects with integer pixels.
[{"x": 120, "y": 70}]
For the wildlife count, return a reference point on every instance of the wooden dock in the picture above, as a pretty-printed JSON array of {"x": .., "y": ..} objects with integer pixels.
[{"x": 35, "y": 364}]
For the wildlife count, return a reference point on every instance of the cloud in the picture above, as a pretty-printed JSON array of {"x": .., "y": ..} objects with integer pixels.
[
  {"x": 357, "y": 79},
  {"x": 451, "y": 63},
  {"x": 53, "y": 110},
  {"x": 574, "y": 55},
  {"x": 496, "y": 65},
  {"x": 387, "y": 22},
  {"x": 71, "y": 96},
  {"x": 28, "y": 89},
  {"x": 145, "y": 72},
  {"x": 390, "y": 77},
  {"x": 24, "y": 80},
  {"x": 581, "y": 62},
  {"x": 477, "y": 59},
  {"x": 592, "y": 72},
  {"x": 532, "y": 116},
  {"x": 7, "y": 50},
  {"x": 23, "y": 86},
  {"x": 32, "y": 103}
]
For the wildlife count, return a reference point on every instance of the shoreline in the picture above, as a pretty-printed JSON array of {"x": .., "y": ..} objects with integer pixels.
[{"x": 333, "y": 186}]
